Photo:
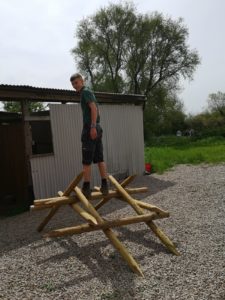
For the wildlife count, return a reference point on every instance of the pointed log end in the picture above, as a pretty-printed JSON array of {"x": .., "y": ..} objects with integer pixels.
[
  {"x": 39, "y": 229},
  {"x": 176, "y": 252},
  {"x": 93, "y": 221},
  {"x": 138, "y": 271},
  {"x": 46, "y": 236},
  {"x": 96, "y": 188}
]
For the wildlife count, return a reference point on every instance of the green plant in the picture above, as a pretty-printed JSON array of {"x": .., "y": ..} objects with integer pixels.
[{"x": 209, "y": 150}]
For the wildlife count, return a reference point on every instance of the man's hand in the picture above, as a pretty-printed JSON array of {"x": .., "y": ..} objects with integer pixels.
[{"x": 93, "y": 133}]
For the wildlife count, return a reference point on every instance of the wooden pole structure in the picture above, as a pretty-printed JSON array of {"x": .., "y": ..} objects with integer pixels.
[
  {"x": 48, "y": 202},
  {"x": 158, "y": 232},
  {"x": 84, "y": 214},
  {"x": 149, "y": 207},
  {"x": 54, "y": 209},
  {"x": 47, "y": 218},
  {"x": 106, "y": 199},
  {"x": 110, "y": 234},
  {"x": 95, "y": 222},
  {"x": 107, "y": 224},
  {"x": 102, "y": 201},
  {"x": 127, "y": 180},
  {"x": 73, "y": 184}
]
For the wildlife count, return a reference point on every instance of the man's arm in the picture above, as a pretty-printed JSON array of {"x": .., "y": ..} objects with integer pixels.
[{"x": 94, "y": 113}]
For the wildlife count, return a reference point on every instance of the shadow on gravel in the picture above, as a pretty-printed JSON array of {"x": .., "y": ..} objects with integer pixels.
[
  {"x": 19, "y": 231},
  {"x": 154, "y": 186},
  {"x": 100, "y": 261}
]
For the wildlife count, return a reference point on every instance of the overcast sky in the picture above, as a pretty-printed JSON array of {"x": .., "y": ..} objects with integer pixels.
[{"x": 36, "y": 37}]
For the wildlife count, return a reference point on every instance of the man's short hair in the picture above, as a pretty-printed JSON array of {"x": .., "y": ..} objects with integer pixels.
[{"x": 76, "y": 76}]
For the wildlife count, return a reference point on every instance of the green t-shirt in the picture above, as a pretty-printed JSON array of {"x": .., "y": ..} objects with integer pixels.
[{"x": 88, "y": 96}]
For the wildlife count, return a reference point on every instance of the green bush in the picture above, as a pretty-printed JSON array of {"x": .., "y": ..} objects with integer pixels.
[{"x": 170, "y": 140}]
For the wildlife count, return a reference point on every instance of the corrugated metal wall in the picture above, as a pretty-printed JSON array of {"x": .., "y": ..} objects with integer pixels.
[{"x": 122, "y": 139}]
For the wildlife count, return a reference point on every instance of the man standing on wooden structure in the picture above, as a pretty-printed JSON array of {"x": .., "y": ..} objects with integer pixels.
[{"x": 91, "y": 137}]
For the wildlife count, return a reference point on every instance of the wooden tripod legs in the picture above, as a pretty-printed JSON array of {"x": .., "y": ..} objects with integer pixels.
[
  {"x": 158, "y": 232},
  {"x": 110, "y": 234},
  {"x": 84, "y": 208}
]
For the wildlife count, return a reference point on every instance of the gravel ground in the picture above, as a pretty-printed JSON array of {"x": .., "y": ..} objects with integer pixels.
[{"x": 86, "y": 266}]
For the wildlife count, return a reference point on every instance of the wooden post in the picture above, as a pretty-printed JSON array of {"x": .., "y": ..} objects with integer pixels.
[
  {"x": 101, "y": 203},
  {"x": 150, "y": 207},
  {"x": 158, "y": 232},
  {"x": 127, "y": 180},
  {"x": 96, "y": 222},
  {"x": 110, "y": 234},
  {"x": 54, "y": 209},
  {"x": 84, "y": 214},
  {"x": 107, "y": 224},
  {"x": 105, "y": 199},
  {"x": 48, "y": 218},
  {"x": 73, "y": 184},
  {"x": 164, "y": 239},
  {"x": 48, "y": 202},
  {"x": 28, "y": 148},
  {"x": 125, "y": 195}
]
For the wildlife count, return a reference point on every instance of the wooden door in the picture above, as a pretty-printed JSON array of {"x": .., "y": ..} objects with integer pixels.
[{"x": 13, "y": 175}]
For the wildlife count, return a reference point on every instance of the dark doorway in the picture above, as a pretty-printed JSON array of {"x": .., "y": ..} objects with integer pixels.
[{"x": 13, "y": 175}]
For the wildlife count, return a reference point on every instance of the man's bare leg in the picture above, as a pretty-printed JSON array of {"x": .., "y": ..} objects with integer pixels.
[
  {"x": 102, "y": 170},
  {"x": 87, "y": 173},
  {"x": 86, "y": 181}
]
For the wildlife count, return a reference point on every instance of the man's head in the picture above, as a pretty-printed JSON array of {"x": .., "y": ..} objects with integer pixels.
[{"x": 77, "y": 81}]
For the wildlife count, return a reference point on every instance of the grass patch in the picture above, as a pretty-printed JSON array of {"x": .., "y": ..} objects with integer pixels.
[{"x": 164, "y": 157}]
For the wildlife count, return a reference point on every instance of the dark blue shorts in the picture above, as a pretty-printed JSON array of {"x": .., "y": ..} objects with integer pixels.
[{"x": 92, "y": 150}]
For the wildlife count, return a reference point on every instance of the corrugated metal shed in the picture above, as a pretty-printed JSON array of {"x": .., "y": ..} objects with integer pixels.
[
  {"x": 122, "y": 139},
  {"x": 122, "y": 122}
]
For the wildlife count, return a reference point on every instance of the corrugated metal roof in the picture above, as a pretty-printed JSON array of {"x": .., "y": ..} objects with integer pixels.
[{"x": 18, "y": 92}]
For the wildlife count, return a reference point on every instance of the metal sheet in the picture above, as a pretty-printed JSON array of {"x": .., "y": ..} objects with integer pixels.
[{"x": 122, "y": 139}]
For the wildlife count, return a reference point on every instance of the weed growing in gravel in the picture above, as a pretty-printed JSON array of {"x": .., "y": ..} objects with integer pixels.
[
  {"x": 111, "y": 295},
  {"x": 48, "y": 286}
]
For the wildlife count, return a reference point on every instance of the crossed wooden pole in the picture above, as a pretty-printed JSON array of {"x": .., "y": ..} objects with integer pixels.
[{"x": 94, "y": 220}]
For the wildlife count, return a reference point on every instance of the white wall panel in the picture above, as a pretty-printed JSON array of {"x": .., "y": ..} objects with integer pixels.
[{"x": 122, "y": 139}]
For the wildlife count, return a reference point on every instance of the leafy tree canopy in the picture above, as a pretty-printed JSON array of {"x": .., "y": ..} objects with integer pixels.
[
  {"x": 216, "y": 103},
  {"x": 124, "y": 51},
  {"x": 14, "y": 106}
]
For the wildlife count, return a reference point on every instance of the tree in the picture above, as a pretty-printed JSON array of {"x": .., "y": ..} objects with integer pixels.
[
  {"x": 124, "y": 51},
  {"x": 164, "y": 114},
  {"x": 101, "y": 49},
  {"x": 216, "y": 103},
  {"x": 13, "y": 106},
  {"x": 207, "y": 124}
]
